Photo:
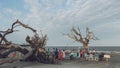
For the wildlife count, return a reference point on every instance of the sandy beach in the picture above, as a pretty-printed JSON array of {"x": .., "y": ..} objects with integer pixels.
[{"x": 114, "y": 62}]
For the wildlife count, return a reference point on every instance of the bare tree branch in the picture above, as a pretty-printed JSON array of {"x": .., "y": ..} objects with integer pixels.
[
  {"x": 77, "y": 36},
  {"x": 11, "y": 30},
  {"x": 25, "y": 26}
]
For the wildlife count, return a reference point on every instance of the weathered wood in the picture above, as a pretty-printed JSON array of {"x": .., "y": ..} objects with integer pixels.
[
  {"x": 77, "y": 36},
  {"x": 37, "y": 44},
  {"x": 11, "y": 30},
  {"x": 7, "y": 60}
]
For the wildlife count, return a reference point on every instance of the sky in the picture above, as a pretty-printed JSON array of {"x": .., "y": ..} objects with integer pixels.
[{"x": 54, "y": 17}]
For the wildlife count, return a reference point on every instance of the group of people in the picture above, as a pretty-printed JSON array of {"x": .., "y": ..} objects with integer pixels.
[
  {"x": 82, "y": 54},
  {"x": 58, "y": 54},
  {"x": 91, "y": 55}
]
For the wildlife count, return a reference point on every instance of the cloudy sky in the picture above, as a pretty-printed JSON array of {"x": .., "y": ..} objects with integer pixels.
[{"x": 55, "y": 17}]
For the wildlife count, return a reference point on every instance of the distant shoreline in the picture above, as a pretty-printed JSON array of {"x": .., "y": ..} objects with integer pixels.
[
  {"x": 81, "y": 46},
  {"x": 97, "y": 48}
]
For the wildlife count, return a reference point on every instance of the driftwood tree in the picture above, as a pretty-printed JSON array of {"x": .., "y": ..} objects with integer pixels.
[
  {"x": 77, "y": 36},
  {"x": 37, "y": 43}
]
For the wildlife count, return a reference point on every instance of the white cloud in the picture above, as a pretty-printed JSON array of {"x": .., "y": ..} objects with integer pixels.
[
  {"x": 74, "y": 13},
  {"x": 14, "y": 13},
  {"x": 56, "y": 16},
  {"x": 0, "y": 15}
]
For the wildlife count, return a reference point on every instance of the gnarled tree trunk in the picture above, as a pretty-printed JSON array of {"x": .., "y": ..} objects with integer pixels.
[{"x": 85, "y": 46}]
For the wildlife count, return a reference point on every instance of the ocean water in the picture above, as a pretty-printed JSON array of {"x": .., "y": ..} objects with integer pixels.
[
  {"x": 97, "y": 48},
  {"x": 107, "y": 48}
]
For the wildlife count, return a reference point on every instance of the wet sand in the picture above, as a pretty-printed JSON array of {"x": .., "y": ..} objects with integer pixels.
[{"x": 114, "y": 62}]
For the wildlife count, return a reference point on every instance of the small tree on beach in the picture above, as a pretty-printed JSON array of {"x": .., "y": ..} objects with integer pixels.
[{"x": 77, "y": 36}]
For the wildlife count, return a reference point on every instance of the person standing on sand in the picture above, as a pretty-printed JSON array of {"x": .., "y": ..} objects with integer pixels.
[
  {"x": 63, "y": 54},
  {"x": 56, "y": 54},
  {"x": 81, "y": 53},
  {"x": 53, "y": 52},
  {"x": 86, "y": 55},
  {"x": 59, "y": 55},
  {"x": 48, "y": 52},
  {"x": 93, "y": 51}
]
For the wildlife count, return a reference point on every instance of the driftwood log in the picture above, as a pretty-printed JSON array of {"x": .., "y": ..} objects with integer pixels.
[{"x": 34, "y": 52}]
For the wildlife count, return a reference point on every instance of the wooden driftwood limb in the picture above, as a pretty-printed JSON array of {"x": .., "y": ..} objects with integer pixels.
[
  {"x": 23, "y": 25},
  {"x": 7, "y": 60},
  {"x": 6, "y": 57},
  {"x": 11, "y": 30}
]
